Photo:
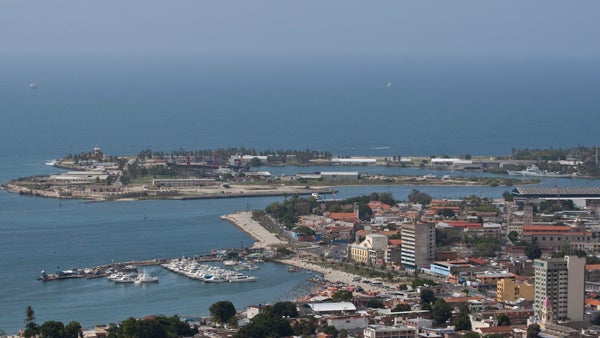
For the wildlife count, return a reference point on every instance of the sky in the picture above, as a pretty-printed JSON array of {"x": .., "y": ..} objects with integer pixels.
[{"x": 459, "y": 27}]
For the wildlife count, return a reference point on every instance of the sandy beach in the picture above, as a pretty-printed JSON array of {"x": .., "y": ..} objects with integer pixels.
[{"x": 263, "y": 237}]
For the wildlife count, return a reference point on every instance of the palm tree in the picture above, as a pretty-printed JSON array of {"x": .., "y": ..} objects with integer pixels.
[{"x": 31, "y": 328}]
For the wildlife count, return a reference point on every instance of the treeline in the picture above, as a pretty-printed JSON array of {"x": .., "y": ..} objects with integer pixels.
[
  {"x": 155, "y": 326},
  {"x": 580, "y": 153},
  {"x": 586, "y": 157},
  {"x": 50, "y": 329},
  {"x": 289, "y": 211},
  {"x": 223, "y": 154}
]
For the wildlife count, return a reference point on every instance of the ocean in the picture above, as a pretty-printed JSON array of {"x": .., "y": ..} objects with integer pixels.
[{"x": 348, "y": 105}]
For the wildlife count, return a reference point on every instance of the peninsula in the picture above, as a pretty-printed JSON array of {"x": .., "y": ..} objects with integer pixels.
[{"x": 228, "y": 173}]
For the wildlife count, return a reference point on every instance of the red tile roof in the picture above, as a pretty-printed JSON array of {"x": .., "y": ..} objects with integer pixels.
[
  {"x": 461, "y": 299},
  {"x": 463, "y": 224},
  {"x": 496, "y": 329},
  {"x": 556, "y": 233},
  {"x": 478, "y": 261},
  {"x": 342, "y": 215},
  {"x": 378, "y": 204},
  {"x": 563, "y": 228},
  {"x": 592, "y": 302}
]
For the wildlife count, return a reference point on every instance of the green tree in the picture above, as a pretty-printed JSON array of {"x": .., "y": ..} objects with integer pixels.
[
  {"x": 533, "y": 330},
  {"x": 221, "y": 311},
  {"x": 448, "y": 213},
  {"x": 503, "y": 319},
  {"x": 401, "y": 307},
  {"x": 52, "y": 329},
  {"x": 304, "y": 231},
  {"x": 427, "y": 296},
  {"x": 255, "y": 162},
  {"x": 285, "y": 309},
  {"x": 441, "y": 311},
  {"x": 419, "y": 197},
  {"x": 232, "y": 323},
  {"x": 342, "y": 295},
  {"x": 31, "y": 328},
  {"x": 513, "y": 236},
  {"x": 375, "y": 303},
  {"x": 496, "y": 335},
  {"x": 471, "y": 334},
  {"x": 462, "y": 320},
  {"x": 330, "y": 329},
  {"x": 159, "y": 326},
  {"x": 73, "y": 330},
  {"x": 422, "y": 281},
  {"x": 29, "y": 314},
  {"x": 533, "y": 251},
  {"x": 305, "y": 326},
  {"x": 265, "y": 325}
]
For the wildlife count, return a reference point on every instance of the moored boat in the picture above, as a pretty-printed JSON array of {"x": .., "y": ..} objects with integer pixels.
[
  {"x": 535, "y": 171},
  {"x": 214, "y": 279},
  {"x": 145, "y": 278},
  {"x": 242, "y": 278}
]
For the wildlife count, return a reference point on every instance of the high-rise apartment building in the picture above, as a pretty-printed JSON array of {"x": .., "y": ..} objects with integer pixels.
[
  {"x": 418, "y": 245},
  {"x": 561, "y": 281}
]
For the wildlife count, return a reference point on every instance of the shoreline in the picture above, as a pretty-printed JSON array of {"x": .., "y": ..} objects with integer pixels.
[{"x": 265, "y": 239}]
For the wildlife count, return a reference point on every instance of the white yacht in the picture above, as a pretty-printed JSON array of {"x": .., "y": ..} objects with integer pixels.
[
  {"x": 241, "y": 278},
  {"x": 145, "y": 278}
]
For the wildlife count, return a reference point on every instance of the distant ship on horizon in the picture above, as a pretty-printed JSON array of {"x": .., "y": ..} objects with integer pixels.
[{"x": 33, "y": 85}]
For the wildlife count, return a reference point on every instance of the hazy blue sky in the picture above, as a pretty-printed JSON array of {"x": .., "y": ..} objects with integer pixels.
[{"x": 521, "y": 28}]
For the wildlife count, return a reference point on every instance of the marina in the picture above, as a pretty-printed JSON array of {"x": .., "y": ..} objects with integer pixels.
[
  {"x": 210, "y": 273},
  {"x": 128, "y": 272}
]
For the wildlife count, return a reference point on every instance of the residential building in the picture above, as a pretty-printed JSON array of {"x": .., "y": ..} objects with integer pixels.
[
  {"x": 338, "y": 308},
  {"x": 348, "y": 322},
  {"x": 559, "y": 284},
  {"x": 492, "y": 278},
  {"x": 371, "y": 250},
  {"x": 554, "y": 237},
  {"x": 380, "y": 331},
  {"x": 418, "y": 245},
  {"x": 508, "y": 290}
]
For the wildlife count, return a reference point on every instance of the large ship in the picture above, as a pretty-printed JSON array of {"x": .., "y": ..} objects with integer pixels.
[{"x": 534, "y": 171}]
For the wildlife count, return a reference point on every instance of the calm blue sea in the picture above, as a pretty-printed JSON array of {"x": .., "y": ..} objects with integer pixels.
[{"x": 340, "y": 104}]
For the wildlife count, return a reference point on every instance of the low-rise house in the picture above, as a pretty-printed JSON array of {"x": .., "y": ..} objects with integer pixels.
[
  {"x": 348, "y": 322},
  {"x": 517, "y": 316},
  {"x": 445, "y": 268},
  {"x": 337, "y": 308},
  {"x": 380, "y": 331},
  {"x": 492, "y": 278}
]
